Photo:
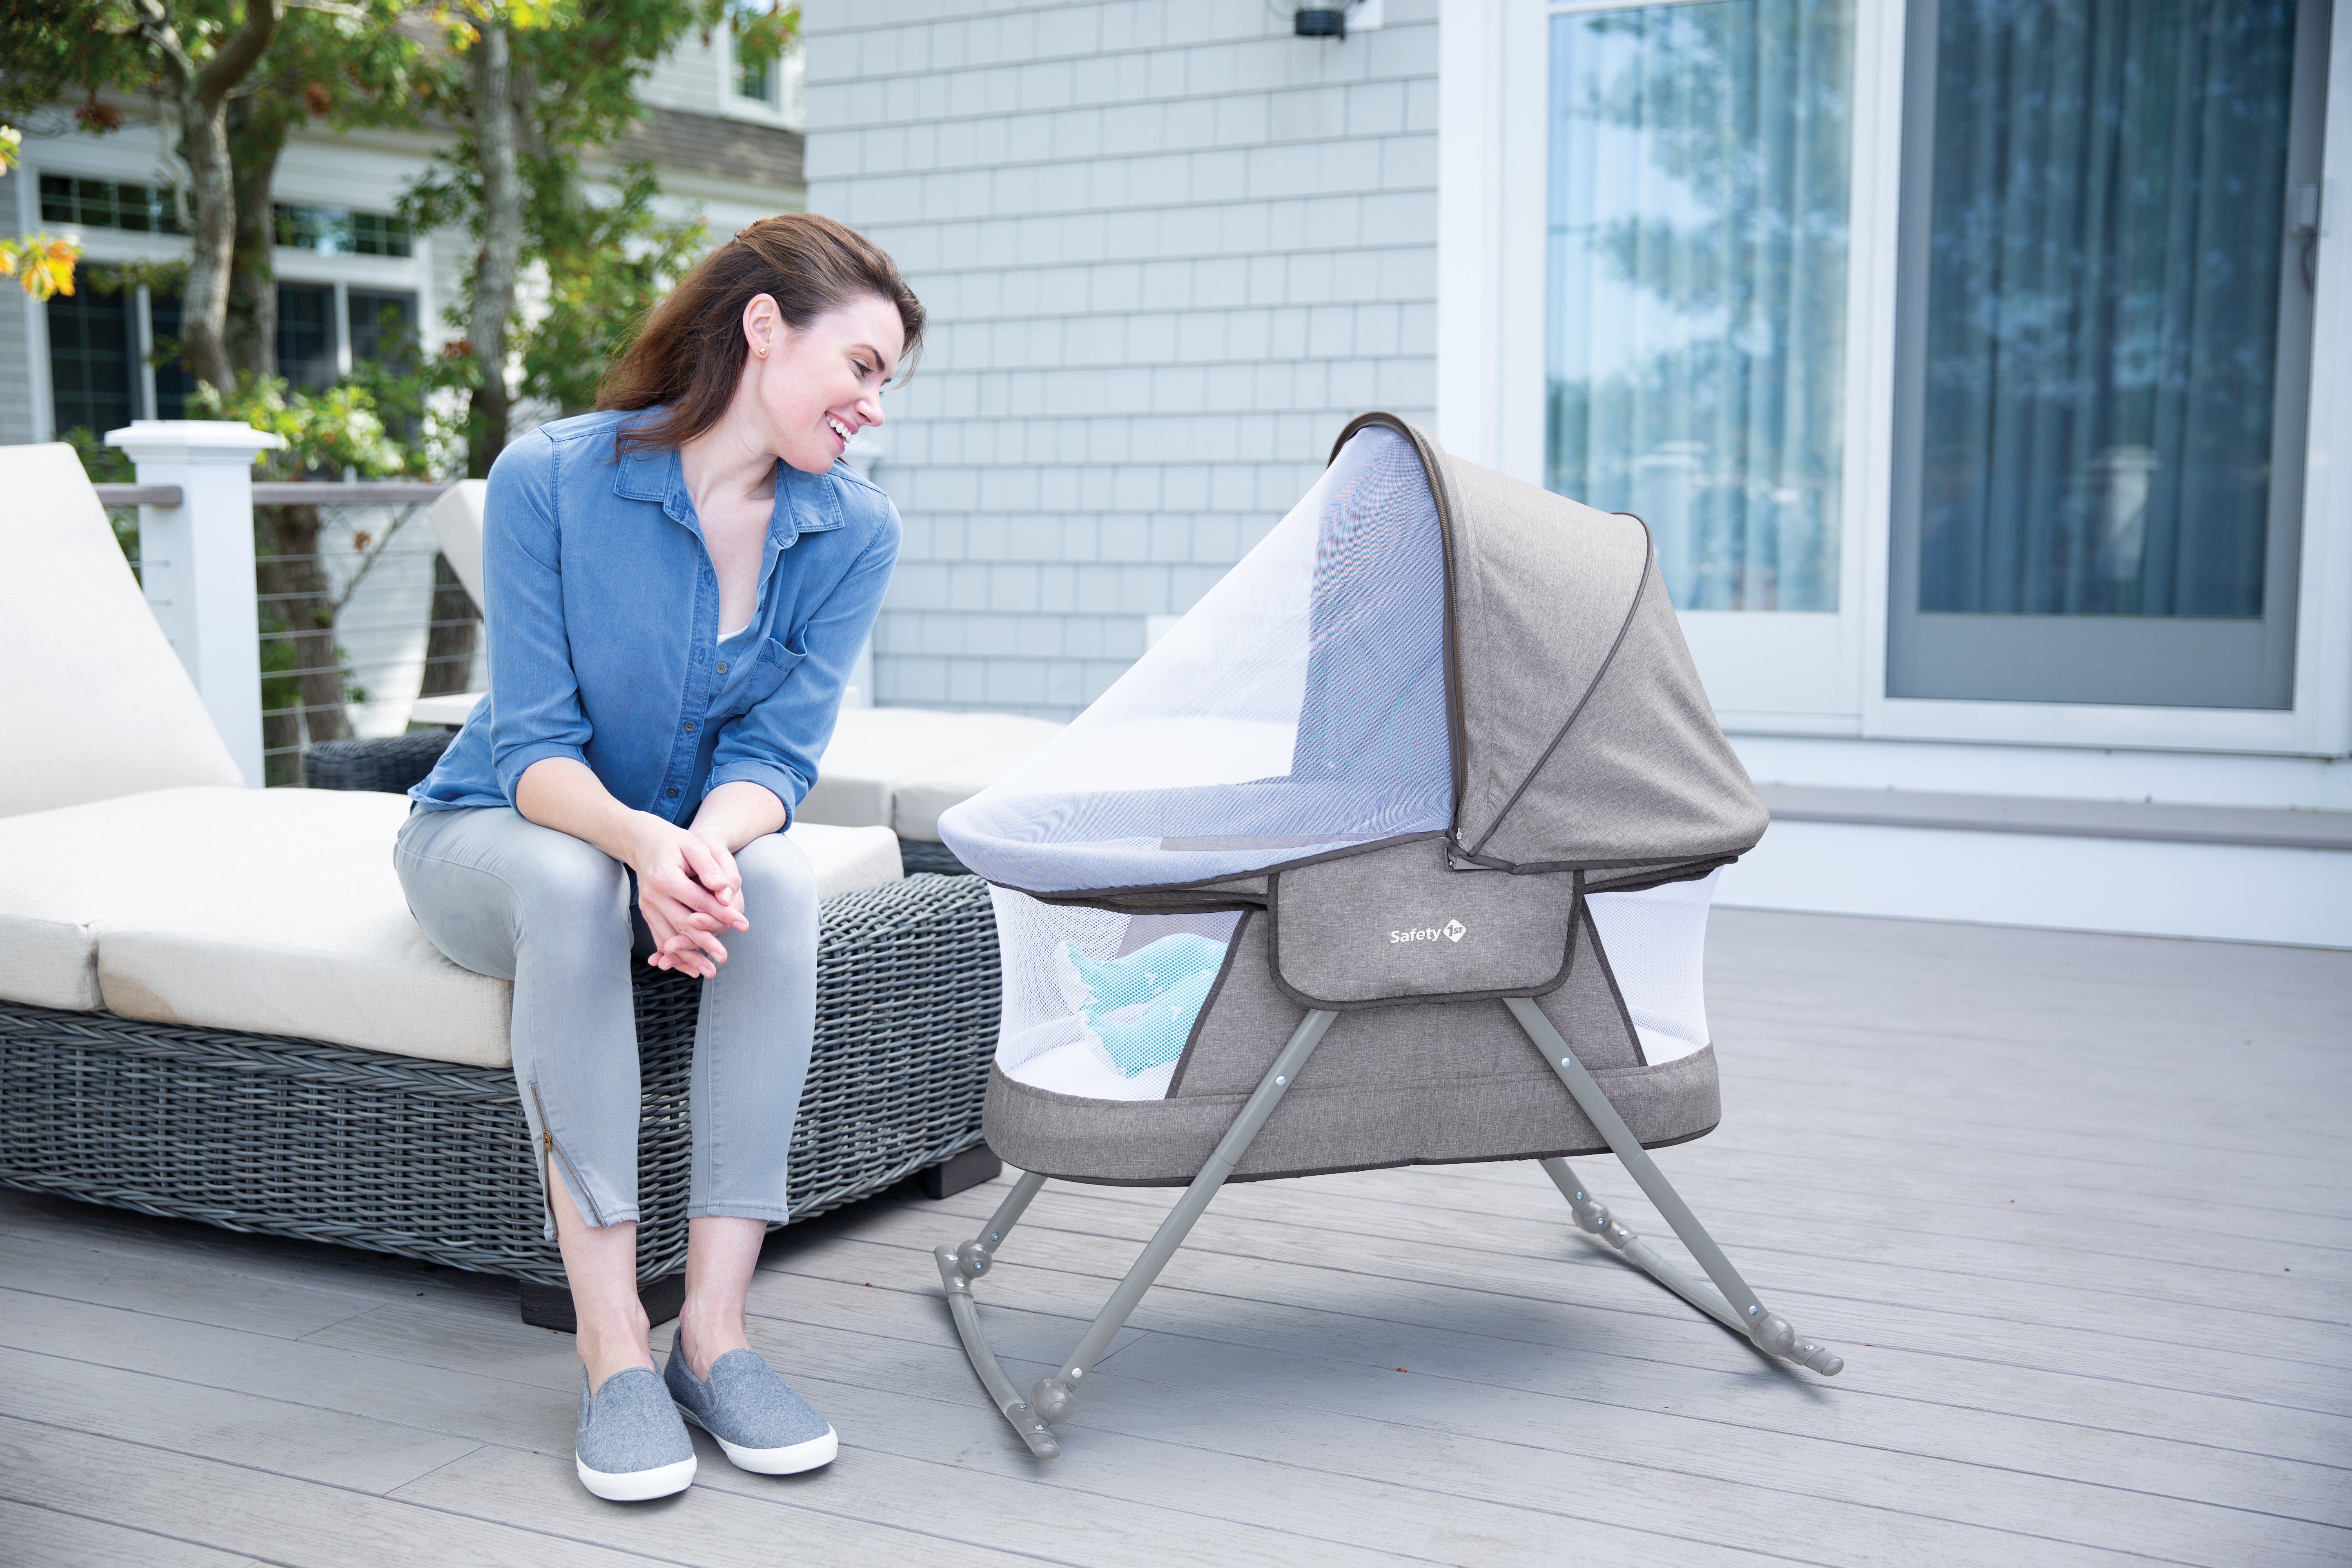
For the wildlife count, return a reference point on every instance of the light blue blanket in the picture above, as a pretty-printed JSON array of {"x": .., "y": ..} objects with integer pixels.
[{"x": 1141, "y": 1007}]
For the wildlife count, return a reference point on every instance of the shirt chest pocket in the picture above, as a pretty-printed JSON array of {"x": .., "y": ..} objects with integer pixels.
[{"x": 777, "y": 659}]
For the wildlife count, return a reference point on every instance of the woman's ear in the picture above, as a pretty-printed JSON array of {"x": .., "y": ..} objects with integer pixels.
[{"x": 762, "y": 325}]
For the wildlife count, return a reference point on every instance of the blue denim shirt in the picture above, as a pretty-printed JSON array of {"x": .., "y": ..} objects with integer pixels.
[{"x": 603, "y": 628}]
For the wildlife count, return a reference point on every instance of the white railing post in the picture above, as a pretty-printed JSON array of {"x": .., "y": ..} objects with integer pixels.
[{"x": 196, "y": 563}]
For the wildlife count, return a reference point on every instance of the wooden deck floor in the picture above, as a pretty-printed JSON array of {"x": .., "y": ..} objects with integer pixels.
[{"x": 2074, "y": 1208}]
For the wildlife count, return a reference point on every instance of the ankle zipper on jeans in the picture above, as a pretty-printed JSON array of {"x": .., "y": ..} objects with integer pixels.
[{"x": 554, "y": 1151}]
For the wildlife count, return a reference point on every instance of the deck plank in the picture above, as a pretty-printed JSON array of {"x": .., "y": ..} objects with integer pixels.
[{"x": 2073, "y": 1206}]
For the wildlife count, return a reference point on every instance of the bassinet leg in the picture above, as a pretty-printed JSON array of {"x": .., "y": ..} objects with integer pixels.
[
  {"x": 1735, "y": 1305},
  {"x": 1054, "y": 1399},
  {"x": 958, "y": 1267}
]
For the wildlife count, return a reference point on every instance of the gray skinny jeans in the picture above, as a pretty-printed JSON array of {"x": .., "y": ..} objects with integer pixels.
[{"x": 501, "y": 895}]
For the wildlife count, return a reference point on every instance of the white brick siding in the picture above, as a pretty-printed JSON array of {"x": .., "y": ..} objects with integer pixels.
[{"x": 1169, "y": 251}]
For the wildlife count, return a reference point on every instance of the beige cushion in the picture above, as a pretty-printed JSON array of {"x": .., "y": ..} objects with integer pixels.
[
  {"x": 270, "y": 911},
  {"x": 93, "y": 702},
  {"x": 901, "y": 767}
]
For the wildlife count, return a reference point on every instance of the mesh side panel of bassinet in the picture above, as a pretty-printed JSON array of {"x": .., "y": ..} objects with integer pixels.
[
  {"x": 1656, "y": 942},
  {"x": 1100, "y": 1004}
]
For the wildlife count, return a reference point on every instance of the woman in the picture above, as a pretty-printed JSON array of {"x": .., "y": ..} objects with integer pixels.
[{"x": 678, "y": 586}]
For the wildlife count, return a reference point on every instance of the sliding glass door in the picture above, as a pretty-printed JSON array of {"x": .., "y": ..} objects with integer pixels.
[
  {"x": 1698, "y": 203},
  {"x": 2109, "y": 222}
]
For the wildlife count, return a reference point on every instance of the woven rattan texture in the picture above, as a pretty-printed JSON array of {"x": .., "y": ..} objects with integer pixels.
[
  {"x": 395, "y": 763},
  {"x": 917, "y": 856},
  {"x": 432, "y": 1160}
]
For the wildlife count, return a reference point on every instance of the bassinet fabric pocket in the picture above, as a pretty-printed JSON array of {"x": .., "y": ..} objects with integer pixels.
[
  {"x": 1399, "y": 924},
  {"x": 1100, "y": 1003}
]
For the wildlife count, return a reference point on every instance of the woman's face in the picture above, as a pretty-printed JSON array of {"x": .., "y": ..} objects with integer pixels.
[{"x": 814, "y": 387}]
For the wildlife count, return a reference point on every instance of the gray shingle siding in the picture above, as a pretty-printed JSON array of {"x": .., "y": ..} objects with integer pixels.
[{"x": 1168, "y": 250}]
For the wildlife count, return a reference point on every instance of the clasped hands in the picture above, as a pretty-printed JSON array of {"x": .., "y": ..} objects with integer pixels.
[{"x": 689, "y": 892}]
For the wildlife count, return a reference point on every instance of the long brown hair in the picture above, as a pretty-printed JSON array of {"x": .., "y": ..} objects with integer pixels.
[{"x": 689, "y": 357}]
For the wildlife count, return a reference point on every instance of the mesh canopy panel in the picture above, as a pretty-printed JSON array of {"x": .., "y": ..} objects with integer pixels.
[
  {"x": 1299, "y": 707},
  {"x": 1100, "y": 1004}
]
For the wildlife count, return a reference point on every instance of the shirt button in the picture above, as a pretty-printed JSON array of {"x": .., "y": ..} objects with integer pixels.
[
  {"x": 689, "y": 726},
  {"x": 723, "y": 670},
  {"x": 671, "y": 793}
]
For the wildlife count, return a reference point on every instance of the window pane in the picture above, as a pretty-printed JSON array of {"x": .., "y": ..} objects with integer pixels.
[
  {"x": 1697, "y": 262},
  {"x": 306, "y": 334},
  {"x": 93, "y": 361},
  {"x": 172, "y": 383},
  {"x": 2102, "y": 302},
  {"x": 382, "y": 324}
]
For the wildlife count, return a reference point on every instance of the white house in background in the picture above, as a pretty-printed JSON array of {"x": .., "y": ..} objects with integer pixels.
[
  {"x": 726, "y": 141},
  {"x": 1968, "y": 359}
]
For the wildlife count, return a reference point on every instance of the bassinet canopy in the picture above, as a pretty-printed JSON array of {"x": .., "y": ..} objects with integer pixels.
[{"x": 1421, "y": 648}]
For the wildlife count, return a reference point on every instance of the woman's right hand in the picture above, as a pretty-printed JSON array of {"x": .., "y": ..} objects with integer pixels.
[{"x": 688, "y": 893}]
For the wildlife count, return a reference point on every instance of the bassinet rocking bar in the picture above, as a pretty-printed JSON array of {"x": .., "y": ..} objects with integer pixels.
[{"x": 1054, "y": 1399}]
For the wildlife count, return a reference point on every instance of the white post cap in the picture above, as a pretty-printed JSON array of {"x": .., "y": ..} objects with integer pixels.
[{"x": 193, "y": 439}]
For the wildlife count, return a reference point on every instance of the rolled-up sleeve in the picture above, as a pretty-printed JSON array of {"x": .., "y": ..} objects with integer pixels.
[
  {"x": 777, "y": 743},
  {"x": 535, "y": 712}
]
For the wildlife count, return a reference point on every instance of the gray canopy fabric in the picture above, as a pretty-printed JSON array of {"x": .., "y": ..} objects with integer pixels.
[
  {"x": 1583, "y": 740},
  {"x": 1423, "y": 648}
]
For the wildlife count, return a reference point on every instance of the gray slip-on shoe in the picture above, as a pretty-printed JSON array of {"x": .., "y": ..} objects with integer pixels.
[
  {"x": 632, "y": 1446},
  {"x": 764, "y": 1427}
]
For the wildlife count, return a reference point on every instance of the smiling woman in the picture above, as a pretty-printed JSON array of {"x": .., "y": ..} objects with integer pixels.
[{"x": 677, "y": 584}]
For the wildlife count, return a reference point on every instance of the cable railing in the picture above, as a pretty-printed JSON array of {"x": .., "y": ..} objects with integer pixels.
[{"x": 358, "y": 615}]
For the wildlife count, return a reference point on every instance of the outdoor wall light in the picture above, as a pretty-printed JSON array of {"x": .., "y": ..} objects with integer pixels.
[{"x": 1328, "y": 19}]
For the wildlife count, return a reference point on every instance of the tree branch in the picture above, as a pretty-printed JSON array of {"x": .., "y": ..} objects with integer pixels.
[{"x": 239, "y": 50}]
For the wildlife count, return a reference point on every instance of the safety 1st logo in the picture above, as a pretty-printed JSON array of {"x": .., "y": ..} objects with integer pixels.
[{"x": 1452, "y": 930}]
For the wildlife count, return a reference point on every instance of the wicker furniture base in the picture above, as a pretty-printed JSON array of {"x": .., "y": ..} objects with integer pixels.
[{"x": 431, "y": 1160}]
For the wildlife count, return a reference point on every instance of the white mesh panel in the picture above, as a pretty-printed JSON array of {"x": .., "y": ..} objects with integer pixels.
[
  {"x": 1300, "y": 707},
  {"x": 1656, "y": 942},
  {"x": 1100, "y": 1004}
]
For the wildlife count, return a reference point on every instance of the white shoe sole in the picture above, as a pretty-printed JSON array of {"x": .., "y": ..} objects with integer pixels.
[
  {"x": 638, "y": 1485},
  {"x": 790, "y": 1460}
]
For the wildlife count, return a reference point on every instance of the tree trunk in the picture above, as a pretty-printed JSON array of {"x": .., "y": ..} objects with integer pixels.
[
  {"x": 202, "y": 101},
  {"x": 296, "y": 593},
  {"x": 251, "y": 332},
  {"x": 449, "y": 640},
  {"x": 492, "y": 66}
]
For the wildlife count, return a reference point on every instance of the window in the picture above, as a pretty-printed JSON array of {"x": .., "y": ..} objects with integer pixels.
[
  {"x": 107, "y": 203},
  {"x": 1696, "y": 267},
  {"x": 306, "y": 334},
  {"x": 773, "y": 84},
  {"x": 339, "y": 231},
  {"x": 172, "y": 383},
  {"x": 94, "y": 360},
  {"x": 2106, "y": 350},
  {"x": 381, "y": 323}
]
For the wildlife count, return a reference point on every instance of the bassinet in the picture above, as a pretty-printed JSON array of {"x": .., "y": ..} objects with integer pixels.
[{"x": 1396, "y": 849}]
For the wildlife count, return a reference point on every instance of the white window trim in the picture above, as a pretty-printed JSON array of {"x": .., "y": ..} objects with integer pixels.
[{"x": 1492, "y": 138}]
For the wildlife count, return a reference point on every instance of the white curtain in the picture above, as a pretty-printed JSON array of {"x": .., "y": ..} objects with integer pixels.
[{"x": 1698, "y": 287}]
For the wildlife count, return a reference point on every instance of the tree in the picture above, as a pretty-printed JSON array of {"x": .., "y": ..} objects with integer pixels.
[
  {"x": 192, "y": 56},
  {"x": 350, "y": 64},
  {"x": 542, "y": 86}
]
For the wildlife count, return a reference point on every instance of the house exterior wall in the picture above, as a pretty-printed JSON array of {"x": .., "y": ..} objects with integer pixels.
[{"x": 1168, "y": 250}]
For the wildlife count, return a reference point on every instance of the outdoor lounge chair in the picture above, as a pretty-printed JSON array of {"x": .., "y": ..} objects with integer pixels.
[
  {"x": 1396, "y": 850},
  {"x": 215, "y": 1005}
]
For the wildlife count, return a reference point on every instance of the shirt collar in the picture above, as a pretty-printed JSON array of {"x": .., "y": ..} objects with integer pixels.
[{"x": 805, "y": 503}]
